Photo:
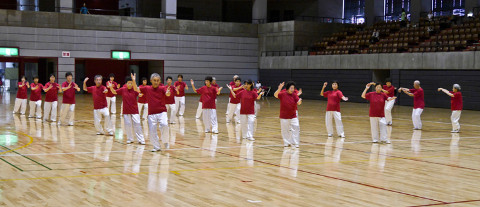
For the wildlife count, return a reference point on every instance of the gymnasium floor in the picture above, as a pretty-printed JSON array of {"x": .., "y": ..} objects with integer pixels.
[{"x": 43, "y": 164}]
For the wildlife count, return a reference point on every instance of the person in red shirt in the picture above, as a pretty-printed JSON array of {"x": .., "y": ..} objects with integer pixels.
[
  {"x": 21, "y": 100},
  {"x": 170, "y": 100},
  {"x": 36, "y": 99},
  {"x": 67, "y": 111},
  {"x": 131, "y": 117},
  {"x": 333, "y": 109},
  {"x": 142, "y": 101},
  {"x": 51, "y": 99},
  {"x": 100, "y": 109},
  {"x": 214, "y": 82},
  {"x": 456, "y": 105},
  {"x": 157, "y": 111},
  {"x": 288, "y": 114},
  {"x": 209, "y": 94},
  {"x": 233, "y": 107},
  {"x": 111, "y": 99},
  {"x": 247, "y": 99},
  {"x": 418, "y": 103},
  {"x": 180, "y": 97},
  {"x": 199, "y": 109},
  {"x": 378, "y": 122},
  {"x": 389, "y": 90}
]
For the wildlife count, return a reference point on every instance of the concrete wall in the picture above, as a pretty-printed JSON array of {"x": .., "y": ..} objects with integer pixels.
[
  {"x": 437, "y": 60},
  {"x": 187, "y": 47}
]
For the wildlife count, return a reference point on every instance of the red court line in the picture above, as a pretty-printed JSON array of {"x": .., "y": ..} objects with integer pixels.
[
  {"x": 326, "y": 176},
  {"x": 406, "y": 158},
  {"x": 448, "y": 203}
]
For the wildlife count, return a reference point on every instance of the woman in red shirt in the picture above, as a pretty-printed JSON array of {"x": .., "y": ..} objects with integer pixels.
[
  {"x": 389, "y": 90},
  {"x": 51, "y": 99},
  {"x": 36, "y": 99},
  {"x": 209, "y": 94},
  {"x": 456, "y": 105},
  {"x": 233, "y": 107},
  {"x": 247, "y": 99},
  {"x": 142, "y": 101},
  {"x": 333, "y": 109},
  {"x": 170, "y": 100},
  {"x": 378, "y": 122},
  {"x": 21, "y": 100},
  {"x": 289, "y": 123}
]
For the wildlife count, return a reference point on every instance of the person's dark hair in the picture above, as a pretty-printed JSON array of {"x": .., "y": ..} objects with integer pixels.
[
  {"x": 180, "y": 76},
  {"x": 335, "y": 81},
  {"x": 403, "y": 9},
  {"x": 52, "y": 75},
  {"x": 249, "y": 83},
  {"x": 35, "y": 77},
  {"x": 378, "y": 84},
  {"x": 239, "y": 79},
  {"x": 169, "y": 77},
  {"x": 144, "y": 78},
  {"x": 209, "y": 78},
  {"x": 388, "y": 80},
  {"x": 128, "y": 78},
  {"x": 23, "y": 77},
  {"x": 289, "y": 84},
  {"x": 68, "y": 74},
  {"x": 111, "y": 75}
]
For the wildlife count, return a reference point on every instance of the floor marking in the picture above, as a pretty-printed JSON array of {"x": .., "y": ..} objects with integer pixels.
[
  {"x": 447, "y": 203},
  {"x": 11, "y": 164},
  {"x": 21, "y": 147},
  {"x": 27, "y": 158}
]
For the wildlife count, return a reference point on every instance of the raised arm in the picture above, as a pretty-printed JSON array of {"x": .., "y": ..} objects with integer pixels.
[
  {"x": 85, "y": 84},
  {"x": 111, "y": 87},
  {"x": 47, "y": 89},
  {"x": 344, "y": 98},
  {"x": 260, "y": 95},
  {"x": 68, "y": 87},
  {"x": 219, "y": 90},
  {"x": 193, "y": 85},
  {"x": 407, "y": 91},
  {"x": 446, "y": 92},
  {"x": 28, "y": 84},
  {"x": 76, "y": 87},
  {"x": 299, "y": 102},
  {"x": 135, "y": 88},
  {"x": 280, "y": 86},
  {"x": 300, "y": 91},
  {"x": 366, "y": 89},
  {"x": 231, "y": 91},
  {"x": 323, "y": 88}
]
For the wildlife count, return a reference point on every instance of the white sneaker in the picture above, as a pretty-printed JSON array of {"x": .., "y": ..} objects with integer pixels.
[
  {"x": 215, "y": 132},
  {"x": 100, "y": 133},
  {"x": 207, "y": 131},
  {"x": 297, "y": 146},
  {"x": 22, "y": 113},
  {"x": 142, "y": 143},
  {"x": 31, "y": 117},
  {"x": 455, "y": 131},
  {"x": 388, "y": 142},
  {"x": 110, "y": 133},
  {"x": 330, "y": 135},
  {"x": 375, "y": 141},
  {"x": 167, "y": 146},
  {"x": 39, "y": 117},
  {"x": 172, "y": 122},
  {"x": 342, "y": 136},
  {"x": 251, "y": 139},
  {"x": 129, "y": 142},
  {"x": 155, "y": 150}
]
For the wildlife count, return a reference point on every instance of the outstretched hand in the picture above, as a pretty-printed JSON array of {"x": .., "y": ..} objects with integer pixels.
[
  {"x": 191, "y": 81},
  {"x": 325, "y": 84},
  {"x": 280, "y": 86},
  {"x": 133, "y": 75},
  {"x": 86, "y": 79}
]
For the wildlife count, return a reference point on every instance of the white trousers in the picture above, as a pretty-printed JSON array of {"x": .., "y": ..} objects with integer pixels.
[
  {"x": 378, "y": 126},
  {"x": 172, "y": 108},
  {"x": 247, "y": 121},
  {"x": 36, "y": 109},
  {"x": 158, "y": 120},
  {"x": 290, "y": 131},
  {"x": 416, "y": 118},
  {"x": 455, "y": 119},
  {"x": 67, "y": 114},
  {"x": 329, "y": 116},
  {"x": 233, "y": 109},
  {"x": 145, "y": 110},
  {"x": 388, "y": 110},
  {"x": 199, "y": 110},
  {"x": 180, "y": 105},
  {"x": 111, "y": 103},
  {"x": 132, "y": 123},
  {"x": 20, "y": 106},
  {"x": 97, "y": 118},
  {"x": 210, "y": 120},
  {"x": 50, "y": 107}
]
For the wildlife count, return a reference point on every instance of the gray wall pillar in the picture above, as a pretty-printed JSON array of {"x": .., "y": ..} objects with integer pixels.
[
  {"x": 64, "y": 6},
  {"x": 334, "y": 8},
  {"x": 65, "y": 65},
  {"x": 27, "y": 5},
  {"x": 259, "y": 11},
  {"x": 373, "y": 8},
  {"x": 417, "y": 7},
  {"x": 169, "y": 9}
]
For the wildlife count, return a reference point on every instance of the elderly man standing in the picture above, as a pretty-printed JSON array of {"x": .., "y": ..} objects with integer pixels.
[{"x": 418, "y": 103}]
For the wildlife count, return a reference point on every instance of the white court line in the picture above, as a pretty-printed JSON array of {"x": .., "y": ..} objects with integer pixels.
[{"x": 197, "y": 148}]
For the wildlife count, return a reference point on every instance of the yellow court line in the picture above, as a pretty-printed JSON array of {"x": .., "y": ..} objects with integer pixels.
[{"x": 21, "y": 147}]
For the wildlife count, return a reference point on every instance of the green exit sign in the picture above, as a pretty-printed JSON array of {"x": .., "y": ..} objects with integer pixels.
[
  {"x": 121, "y": 55},
  {"x": 8, "y": 51}
]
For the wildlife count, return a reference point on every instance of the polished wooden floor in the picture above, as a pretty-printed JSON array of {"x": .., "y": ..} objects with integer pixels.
[{"x": 42, "y": 164}]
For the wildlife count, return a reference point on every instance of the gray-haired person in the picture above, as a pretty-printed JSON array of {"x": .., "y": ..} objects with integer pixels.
[
  {"x": 456, "y": 105},
  {"x": 418, "y": 103}
]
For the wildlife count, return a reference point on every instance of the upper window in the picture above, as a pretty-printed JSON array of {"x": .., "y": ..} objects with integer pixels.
[
  {"x": 393, "y": 8},
  {"x": 354, "y": 11},
  {"x": 448, "y": 7}
]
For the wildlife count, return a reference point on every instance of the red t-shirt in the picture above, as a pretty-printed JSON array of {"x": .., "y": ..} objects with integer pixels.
[
  {"x": 155, "y": 99},
  {"x": 36, "y": 95},
  {"x": 235, "y": 100},
  {"x": 99, "y": 97},
  {"x": 334, "y": 97},
  {"x": 129, "y": 99},
  {"x": 170, "y": 99},
  {"x": 68, "y": 95},
  {"x": 215, "y": 85},
  {"x": 181, "y": 89},
  {"x": 418, "y": 98},
  {"x": 377, "y": 103},
  {"x": 288, "y": 105},
  {"x": 391, "y": 90},
  {"x": 247, "y": 99},
  {"x": 52, "y": 93},
  {"x": 232, "y": 84},
  {"x": 456, "y": 101},
  {"x": 143, "y": 99},
  {"x": 209, "y": 94},
  {"x": 22, "y": 91},
  {"x": 115, "y": 85}
]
